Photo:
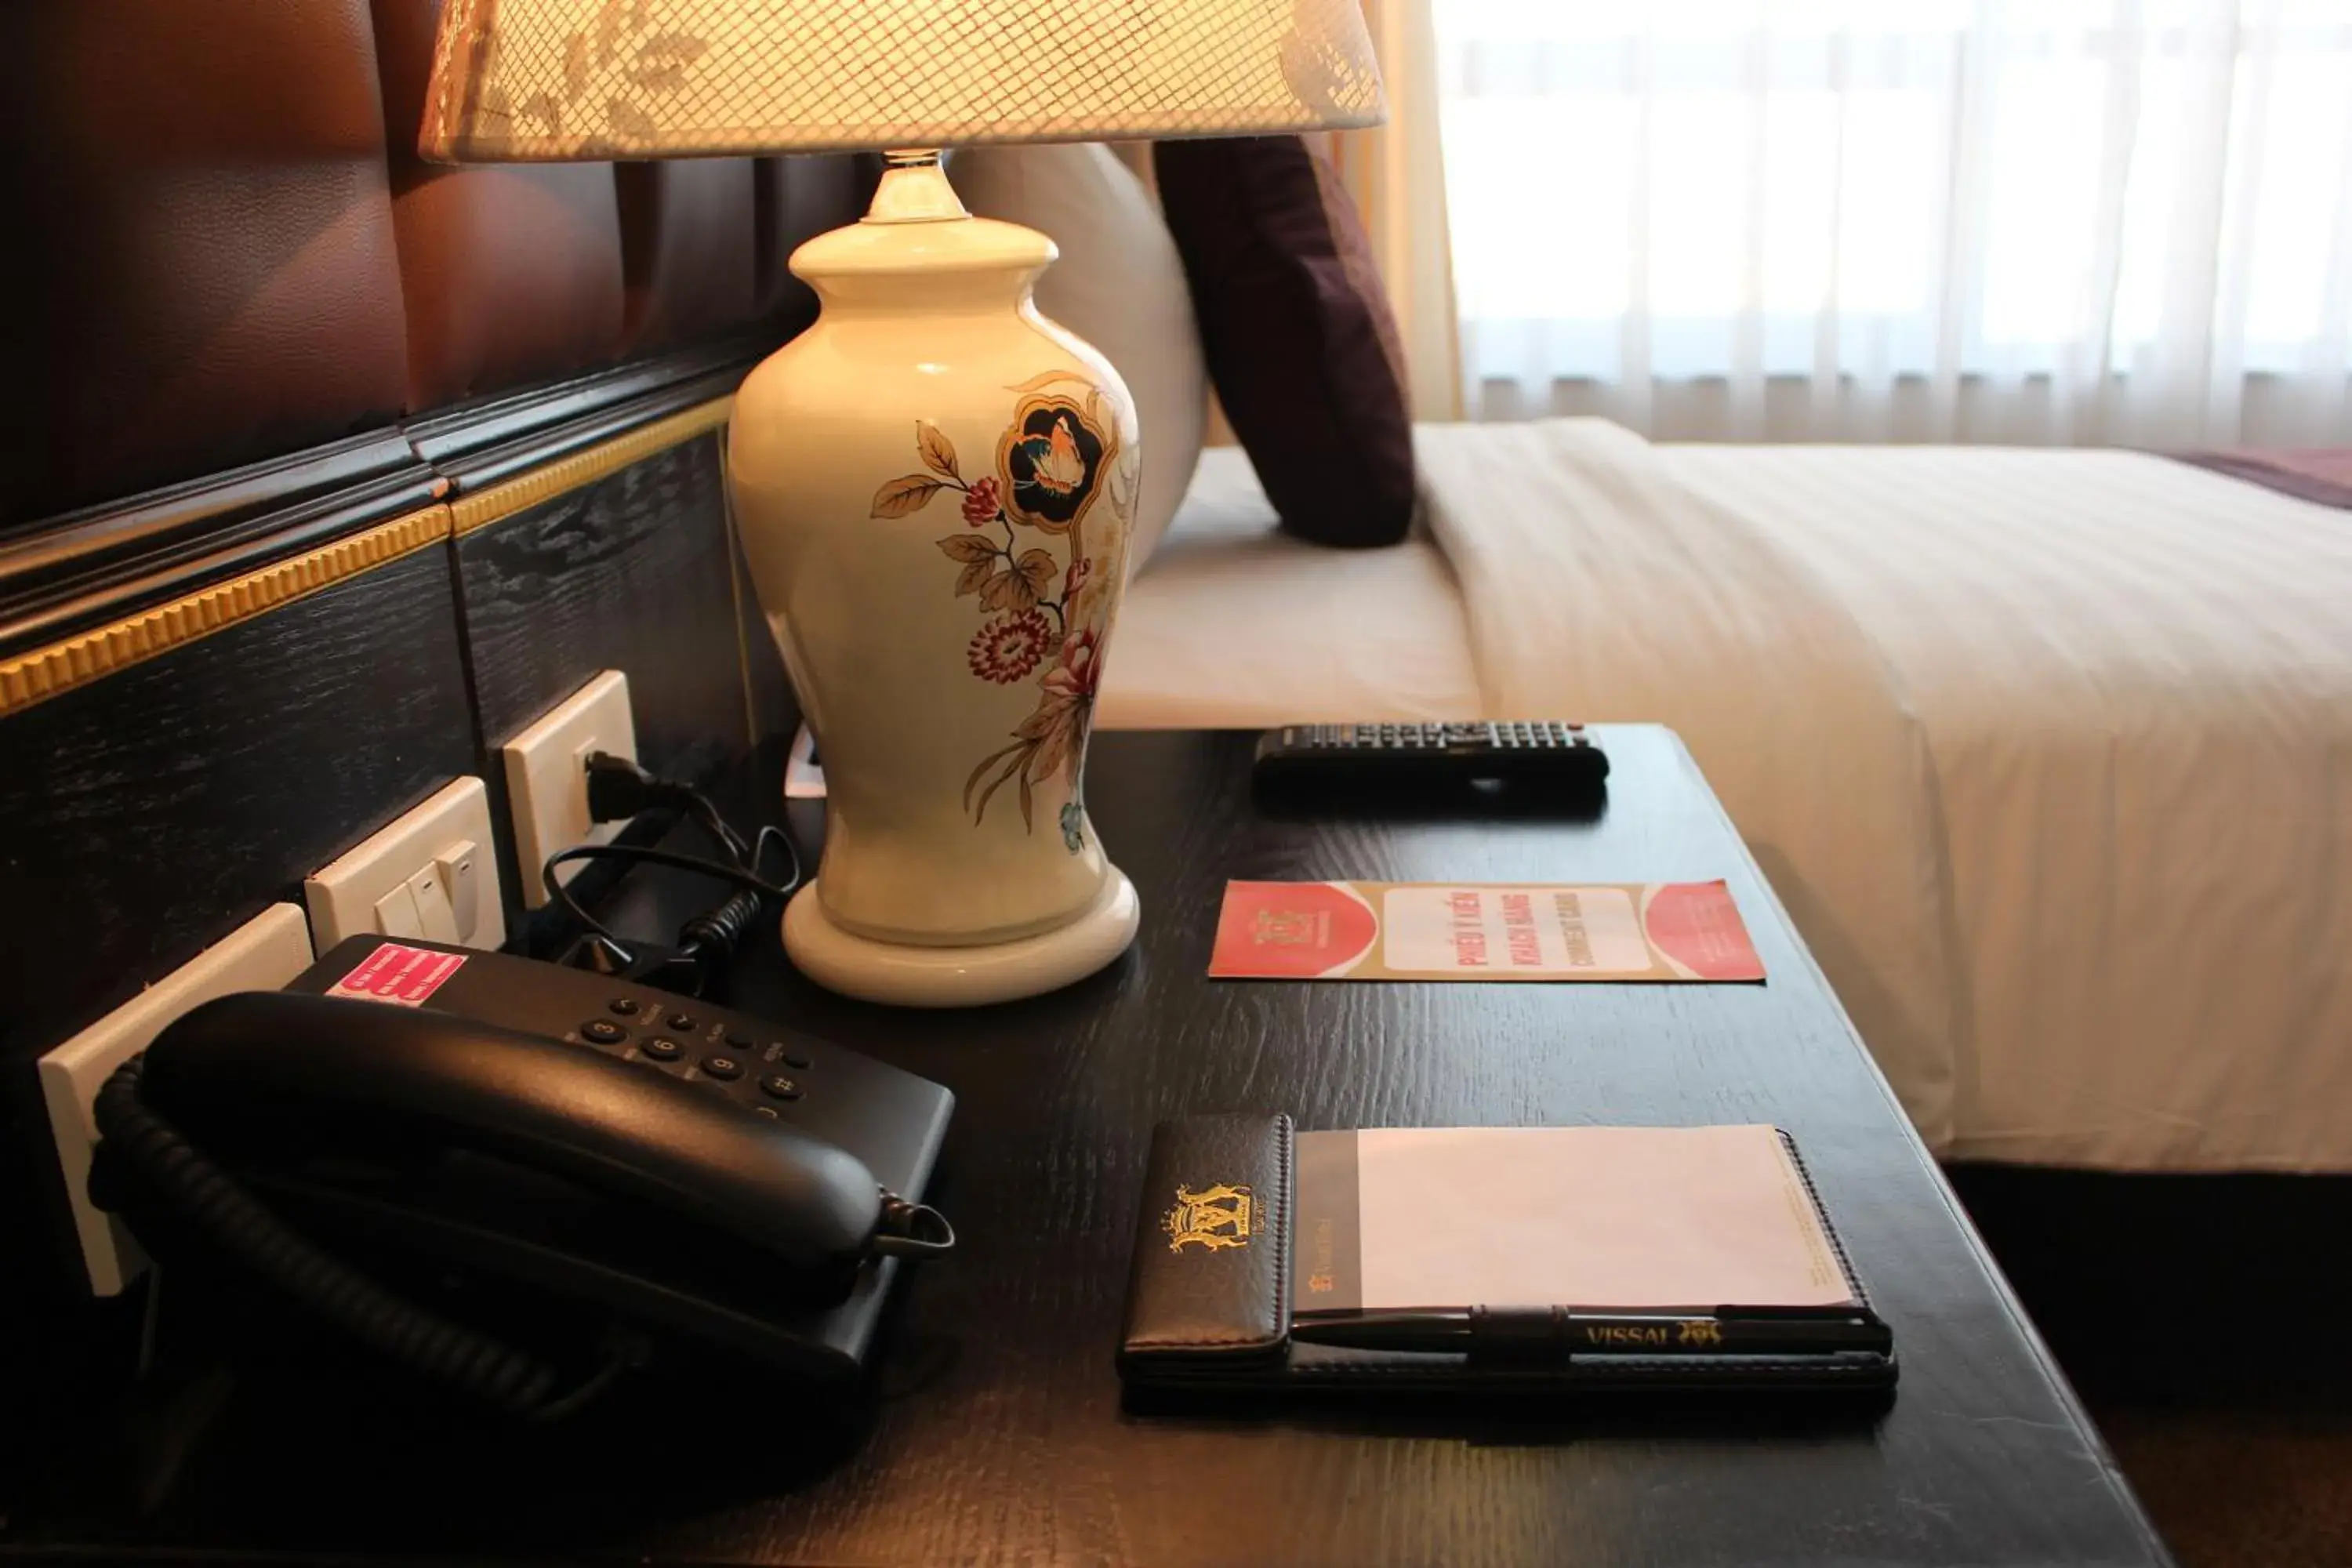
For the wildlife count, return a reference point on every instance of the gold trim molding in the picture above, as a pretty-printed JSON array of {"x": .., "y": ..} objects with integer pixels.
[
  {"x": 45, "y": 672},
  {"x": 503, "y": 501}
]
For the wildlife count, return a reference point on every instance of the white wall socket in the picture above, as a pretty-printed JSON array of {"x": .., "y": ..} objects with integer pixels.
[
  {"x": 430, "y": 874},
  {"x": 262, "y": 954},
  {"x": 547, "y": 776}
]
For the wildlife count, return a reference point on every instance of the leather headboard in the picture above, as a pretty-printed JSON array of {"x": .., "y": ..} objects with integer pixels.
[
  {"x": 513, "y": 273},
  {"x": 685, "y": 228},
  {"x": 235, "y": 252},
  {"x": 799, "y": 198},
  {"x": 200, "y": 202}
]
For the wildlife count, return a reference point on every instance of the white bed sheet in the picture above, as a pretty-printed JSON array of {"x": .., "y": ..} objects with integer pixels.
[
  {"x": 2135, "y": 682},
  {"x": 2049, "y": 753},
  {"x": 1231, "y": 623}
]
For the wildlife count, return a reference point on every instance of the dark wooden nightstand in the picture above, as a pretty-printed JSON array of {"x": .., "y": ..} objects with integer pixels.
[{"x": 1001, "y": 1435}]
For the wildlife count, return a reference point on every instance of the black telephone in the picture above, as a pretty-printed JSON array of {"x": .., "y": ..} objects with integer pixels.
[{"x": 652, "y": 1169}]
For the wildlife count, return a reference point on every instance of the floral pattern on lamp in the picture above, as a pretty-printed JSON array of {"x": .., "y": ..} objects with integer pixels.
[
  {"x": 938, "y": 693},
  {"x": 1048, "y": 618}
]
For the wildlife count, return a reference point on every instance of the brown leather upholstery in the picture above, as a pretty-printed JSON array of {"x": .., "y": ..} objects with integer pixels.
[
  {"x": 230, "y": 250},
  {"x": 512, "y": 274},
  {"x": 799, "y": 198},
  {"x": 687, "y": 249},
  {"x": 199, "y": 203}
]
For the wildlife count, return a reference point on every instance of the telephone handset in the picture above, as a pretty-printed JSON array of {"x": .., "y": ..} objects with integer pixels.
[{"x": 407, "y": 1109}]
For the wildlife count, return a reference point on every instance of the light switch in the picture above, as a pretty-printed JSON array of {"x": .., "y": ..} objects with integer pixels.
[
  {"x": 427, "y": 874},
  {"x": 396, "y": 913},
  {"x": 456, "y": 864},
  {"x": 434, "y": 920}
]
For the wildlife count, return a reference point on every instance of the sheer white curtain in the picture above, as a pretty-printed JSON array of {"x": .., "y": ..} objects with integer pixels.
[
  {"x": 1396, "y": 173},
  {"x": 2086, "y": 221}
]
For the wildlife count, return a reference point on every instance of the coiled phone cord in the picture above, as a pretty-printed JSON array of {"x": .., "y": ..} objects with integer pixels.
[
  {"x": 911, "y": 1230},
  {"x": 185, "y": 1180}
]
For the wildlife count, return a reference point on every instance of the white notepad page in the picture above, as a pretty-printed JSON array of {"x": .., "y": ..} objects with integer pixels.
[{"x": 1600, "y": 1217}]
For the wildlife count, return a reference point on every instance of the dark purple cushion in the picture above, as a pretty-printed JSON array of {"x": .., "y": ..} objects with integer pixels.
[{"x": 1297, "y": 331}]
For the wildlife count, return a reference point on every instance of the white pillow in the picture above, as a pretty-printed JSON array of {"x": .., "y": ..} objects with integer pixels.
[{"x": 1120, "y": 286}]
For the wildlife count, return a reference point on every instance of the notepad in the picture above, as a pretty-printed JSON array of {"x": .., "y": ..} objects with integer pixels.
[{"x": 1600, "y": 1219}]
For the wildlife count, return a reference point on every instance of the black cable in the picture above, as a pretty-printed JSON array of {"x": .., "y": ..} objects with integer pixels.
[
  {"x": 737, "y": 875},
  {"x": 912, "y": 1230},
  {"x": 791, "y": 856},
  {"x": 721, "y": 930},
  {"x": 182, "y": 1178},
  {"x": 618, "y": 789}
]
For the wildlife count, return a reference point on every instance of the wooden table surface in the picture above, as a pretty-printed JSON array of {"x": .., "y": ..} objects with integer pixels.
[{"x": 1000, "y": 1433}]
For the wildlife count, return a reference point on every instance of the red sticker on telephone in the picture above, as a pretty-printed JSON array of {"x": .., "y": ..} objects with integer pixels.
[{"x": 404, "y": 976}]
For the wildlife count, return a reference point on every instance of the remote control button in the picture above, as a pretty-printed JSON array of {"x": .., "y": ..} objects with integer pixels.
[
  {"x": 792, "y": 1058},
  {"x": 662, "y": 1050},
  {"x": 738, "y": 1040},
  {"x": 625, "y": 1006},
  {"x": 776, "y": 1086},
  {"x": 682, "y": 1022},
  {"x": 769, "y": 1111},
  {"x": 604, "y": 1031},
  {"x": 724, "y": 1068}
]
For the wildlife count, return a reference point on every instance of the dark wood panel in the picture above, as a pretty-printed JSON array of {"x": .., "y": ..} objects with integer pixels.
[
  {"x": 60, "y": 577},
  {"x": 62, "y": 574},
  {"x": 548, "y": 422},
  {"x": 1984, "y": 1455},
  {"x": 1001, "y": 1435},
  {"x": 149, "y": 814},
  {"x": 630, "y": 573}
]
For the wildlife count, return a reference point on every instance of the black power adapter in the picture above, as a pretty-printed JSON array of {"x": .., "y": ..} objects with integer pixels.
[{"x": 621, "y": 790}]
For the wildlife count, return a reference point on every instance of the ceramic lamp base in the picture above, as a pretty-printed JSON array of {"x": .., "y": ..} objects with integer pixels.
[{"x": 905, "y": 976}]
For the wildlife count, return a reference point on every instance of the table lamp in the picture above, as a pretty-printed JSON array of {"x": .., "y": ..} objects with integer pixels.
[{"x": 933, "y": 483}]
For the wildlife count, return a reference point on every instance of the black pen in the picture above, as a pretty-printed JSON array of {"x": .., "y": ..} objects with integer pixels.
[{"x": 1532, "y": 1333}]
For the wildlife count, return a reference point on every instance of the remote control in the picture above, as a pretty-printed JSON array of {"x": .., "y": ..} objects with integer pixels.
[{"x": 1305, "y": 762}]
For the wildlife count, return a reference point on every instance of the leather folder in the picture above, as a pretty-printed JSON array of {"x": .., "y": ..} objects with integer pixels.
[{"x": 1210, "y": 1298}]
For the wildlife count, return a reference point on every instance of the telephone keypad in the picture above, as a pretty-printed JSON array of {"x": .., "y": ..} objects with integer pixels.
[{"x": 720, "y": 1051}]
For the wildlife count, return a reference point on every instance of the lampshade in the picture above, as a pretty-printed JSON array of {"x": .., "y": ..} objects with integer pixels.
[{"x": 528, "y": 79}]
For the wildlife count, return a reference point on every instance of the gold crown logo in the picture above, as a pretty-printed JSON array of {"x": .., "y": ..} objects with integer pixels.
[{"x": 1214, "y": 1218}]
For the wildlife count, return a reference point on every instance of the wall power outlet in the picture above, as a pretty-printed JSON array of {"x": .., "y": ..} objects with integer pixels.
[
  {"x": 262, "y": 954},
  {"x": 547, "y": 776}
]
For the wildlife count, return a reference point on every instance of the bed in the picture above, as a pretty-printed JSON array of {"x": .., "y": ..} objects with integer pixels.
[{"x": 2049, "y": 753}]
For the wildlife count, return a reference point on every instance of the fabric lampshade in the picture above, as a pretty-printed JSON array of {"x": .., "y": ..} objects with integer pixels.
[{"x": 550, "y": 79}]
